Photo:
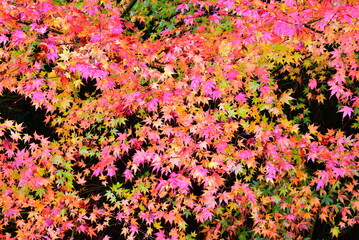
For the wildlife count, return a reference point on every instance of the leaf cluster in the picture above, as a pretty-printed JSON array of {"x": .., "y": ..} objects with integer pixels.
[{"x": 179, "y": 119}]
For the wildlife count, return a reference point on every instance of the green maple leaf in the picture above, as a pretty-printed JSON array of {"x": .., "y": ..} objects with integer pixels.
[{"x": 242, "y": 112}]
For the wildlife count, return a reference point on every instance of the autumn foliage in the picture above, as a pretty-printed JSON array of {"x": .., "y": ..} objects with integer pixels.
[{"x": 225, "y": 119}]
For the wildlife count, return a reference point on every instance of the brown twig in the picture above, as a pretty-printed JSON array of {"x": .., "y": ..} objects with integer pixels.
[{"x": 129, "y": 7}]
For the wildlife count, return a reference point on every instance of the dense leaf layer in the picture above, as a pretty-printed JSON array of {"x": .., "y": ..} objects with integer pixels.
[{"x": 180, "y": 119}]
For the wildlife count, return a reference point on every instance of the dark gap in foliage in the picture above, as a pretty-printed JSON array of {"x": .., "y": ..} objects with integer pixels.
[
  {"x": 91, "y": 188},
  {"x": 6, "y": 43},
  {"x": 323, "y": 115},
  {"x": 140, "y": 25},
  {"x": 18, "y": 108},
  {"x": 197, "y": 188},
  {"x": 150, "y": 29},
  {"x": 193, "y": 226},
  {"x": 88, "y": 89},
  {"x": 210, "y": 10},
  {"x": 11, "y": 228},
  {"x": 114, "y": 231},
  {"x": 230, "y": 180},
  {"x": 330, "y": 47},
  {"x": 211, "y": 148},
  {"x": 312, "y": 167},
  {"x": 241, "y": 134},
  {"x": 121, "y": 164},
  {"x": 93, "y": 185},
  {"x": 132, "y": 120},
  {"x": 327, "y": 116},
  {"x": 212, "y": 104},
  {"x": 73, "y": 234},
  {"x": 349, "y": 233},
  {"x": 256, "y": 172},
  {"x": 271, "y": 1},
  {"x": 47, "y": 67},
  {"x": 321, "y": 230}
]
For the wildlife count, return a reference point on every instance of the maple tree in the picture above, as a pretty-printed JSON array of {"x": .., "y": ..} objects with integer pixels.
[{"x": 226, "y": 119}]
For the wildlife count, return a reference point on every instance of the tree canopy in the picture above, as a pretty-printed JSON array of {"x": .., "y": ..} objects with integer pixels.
[{"x": 199, "y": 119}]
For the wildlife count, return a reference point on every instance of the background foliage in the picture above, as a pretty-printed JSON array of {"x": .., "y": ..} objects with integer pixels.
[{"x": 226, "y": 119}]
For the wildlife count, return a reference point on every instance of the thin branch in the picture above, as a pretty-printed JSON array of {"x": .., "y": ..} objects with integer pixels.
[
  {"x": 50, "y": 29},
  {"x": 129, "y": 7},
  {"x": 313, "y": 29},
  {"x": 55, "y": 31}
]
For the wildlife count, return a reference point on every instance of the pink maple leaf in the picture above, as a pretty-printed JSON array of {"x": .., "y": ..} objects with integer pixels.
[
  {"x": 128, "y": 175},
  {"x": 183, "y": 7},
  {"x": 97, "y": 171},
  {"x": 204, "y": 215},
  {"x": 214, "y": 18},
  {"x": 111, "y": 171},
  {"x": 141, "y": 157},
  {"x": 134, "y": 228},
  {"x": 323, "y": 178},
  {"x": 241, "y": 97},
  {"x": 284, "y": 29},
  {"x": 216, "y": 94},
  {"x": 347, "y": 111},
  {"x": 312, "y": 84},
  {"x": 45, "y": 7},
  {"x": 152, "y": 105},
  {"x": 3, "y": 39},
  {"x": 18, "y": 37},
  {"x": 208, "y": 87},
  {"x": 232, "y": 74},
  {"x": 38, "y": 97},
  {"x": 271, "y": 171},
  {"x": 12, "y": 212},
  {"x": 160, "y": 235},
  {"x": 195, "y": 82}
]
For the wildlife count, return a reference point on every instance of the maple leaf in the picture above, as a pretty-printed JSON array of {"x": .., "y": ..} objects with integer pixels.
[
  {"x": 212, "y": 107},
  {"x": 313, "y": 129},
  {"x": 152, "y": 105},
  {"x": 3, "y": 39},
  {"x": 134, "y": 228},
  {"x": 106, "y": 237},
  {"x": 335, "y": 231},
  {"x": 312, "y": 84},
  {"x": 128, "y": 175},
  {"x": 285, "y": 97},
  {"x": 204, "y": 215},
  {"x": 18, "y": 37},
  {"x": 214, "y": 18},
  {"x": 160, "y": 235},
  {"x": 12, "y": 212},
  {"x": 52, "y": 56},
  {"x": 271, "y": 171},
  {"x": 347, "y": 111},
  {"x": 183, "y": 7},
  {"x": 241, "y": 97},
  {"x": 111, "y": 171},
  {"x": 284, "y": 29}
]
